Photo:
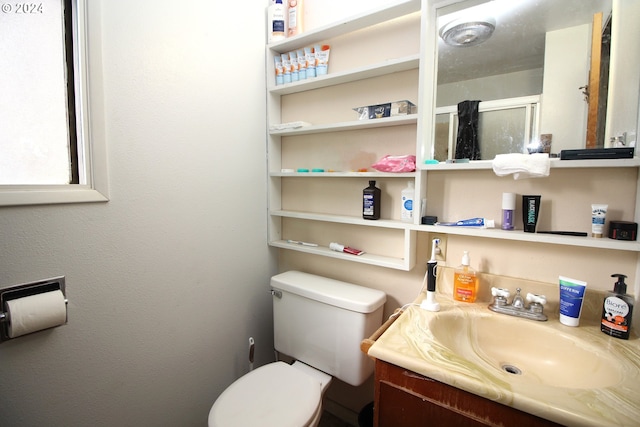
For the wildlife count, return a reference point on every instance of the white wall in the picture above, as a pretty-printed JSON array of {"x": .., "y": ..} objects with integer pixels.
[
  {"x": 168, "y": 280},
  {"x": 510, "y": 85}
]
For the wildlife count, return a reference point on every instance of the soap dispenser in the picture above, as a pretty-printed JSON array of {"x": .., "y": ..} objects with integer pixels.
[
  {"x": 617, "y": 310},
  {"x": 465, "y": 281}
]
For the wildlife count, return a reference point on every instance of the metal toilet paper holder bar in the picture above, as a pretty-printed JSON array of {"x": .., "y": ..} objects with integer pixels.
[{"x": 25, "y": 290}]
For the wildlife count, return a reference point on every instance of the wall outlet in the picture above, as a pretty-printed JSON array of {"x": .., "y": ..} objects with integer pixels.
[{"x": 441, "y": 250}]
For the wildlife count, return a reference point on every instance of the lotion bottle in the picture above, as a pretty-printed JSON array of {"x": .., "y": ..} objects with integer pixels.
[
  {"x": 408, "y": 195},
  {"x": 617, "y": 310},
  {"x": 276, "y": 19},
  {"x": 295, "y": 17},
  {"x": 465, "y": 281},
  {"x": 508, "y": 209},
  {"x": 371, "y": 201}
]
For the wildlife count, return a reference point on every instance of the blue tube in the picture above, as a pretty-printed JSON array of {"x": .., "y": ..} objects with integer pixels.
[
  {"x": 472, "y": 222},
  {"x": 571, "y": 296}
]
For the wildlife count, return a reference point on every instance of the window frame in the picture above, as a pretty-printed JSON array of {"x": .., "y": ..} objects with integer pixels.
[{"x": 89, "y": 116}]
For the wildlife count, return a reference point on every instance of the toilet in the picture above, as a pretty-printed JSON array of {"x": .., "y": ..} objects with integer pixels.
[{"x": 319, "y": 322}]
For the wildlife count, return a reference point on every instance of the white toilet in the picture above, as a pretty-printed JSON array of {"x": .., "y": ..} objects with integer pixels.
[{"x": 320, "y": 323}]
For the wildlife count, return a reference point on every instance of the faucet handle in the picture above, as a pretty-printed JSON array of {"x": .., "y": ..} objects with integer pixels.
[
  {"x": 534, "y": 298},
  {"x": 500, "y": 292}
]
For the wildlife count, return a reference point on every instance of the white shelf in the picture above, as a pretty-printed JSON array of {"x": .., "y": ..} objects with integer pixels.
[
  {"x": 366, "y": 258},
  {"x": 352, "y": 125},
  {"x": 487, "y": 233},
  {"x": 343, "y": 219},
  {"x": 518, "y": 235},
  {"x": 343, "y": 174},
  {"x": 555, "y": 164},
  {"x": 374, "y": 70},
  {"x": 347, "y": 25}
]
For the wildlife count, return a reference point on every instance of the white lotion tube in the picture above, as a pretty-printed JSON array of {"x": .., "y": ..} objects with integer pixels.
[
  {"x": 571, "y": 296},
  {"x": 598, "y": 218},
  {"x": 322, "y": 58}
]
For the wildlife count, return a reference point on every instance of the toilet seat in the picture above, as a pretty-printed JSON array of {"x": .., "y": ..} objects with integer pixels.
[{"x": 274, "y": 395}]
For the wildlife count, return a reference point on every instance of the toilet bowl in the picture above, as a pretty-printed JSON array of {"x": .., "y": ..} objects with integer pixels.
[
  {"x": 319, "y": 323},
  {"x": 274, "y": 395}
]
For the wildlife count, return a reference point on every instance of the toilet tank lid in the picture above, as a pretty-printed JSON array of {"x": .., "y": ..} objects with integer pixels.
[{"x": 329, "y": 291}]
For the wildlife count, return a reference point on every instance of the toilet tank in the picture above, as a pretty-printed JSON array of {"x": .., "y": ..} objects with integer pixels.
[{"x": 321, "y": 322}]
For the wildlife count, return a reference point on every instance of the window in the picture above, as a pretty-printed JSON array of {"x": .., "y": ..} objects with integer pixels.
[
  {"x": 49, "y": 150},
  {"x": 505, "y": 126}
]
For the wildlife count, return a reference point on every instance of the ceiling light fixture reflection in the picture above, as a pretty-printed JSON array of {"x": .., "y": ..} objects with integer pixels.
[{"x": 467, "y": 32}]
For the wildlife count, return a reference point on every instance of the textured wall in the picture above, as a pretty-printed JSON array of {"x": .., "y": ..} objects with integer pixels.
[{"x": 168, "y": 280}]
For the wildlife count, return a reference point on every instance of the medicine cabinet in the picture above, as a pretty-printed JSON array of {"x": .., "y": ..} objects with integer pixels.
[{"x": 385, "y": 55}]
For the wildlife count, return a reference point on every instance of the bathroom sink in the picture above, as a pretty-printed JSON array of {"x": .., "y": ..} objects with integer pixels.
[{"x": 528, "y": 350}]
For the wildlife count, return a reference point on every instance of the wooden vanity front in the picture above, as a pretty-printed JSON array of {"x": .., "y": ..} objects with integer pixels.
[{"x": 406, "y": 399}]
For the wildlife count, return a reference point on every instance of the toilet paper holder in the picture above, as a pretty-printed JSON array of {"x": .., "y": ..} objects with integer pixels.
[{"x": 25, "y": 290}]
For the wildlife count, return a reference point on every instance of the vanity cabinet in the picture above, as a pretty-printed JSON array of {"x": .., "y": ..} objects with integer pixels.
[{"x": 406, "y": 399}]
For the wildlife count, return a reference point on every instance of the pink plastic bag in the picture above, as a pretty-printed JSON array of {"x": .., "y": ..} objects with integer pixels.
[{"x": 396, "y": 164}]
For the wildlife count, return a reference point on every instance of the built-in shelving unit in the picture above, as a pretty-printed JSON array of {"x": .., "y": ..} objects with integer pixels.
[
  {"x": 410, "y": 175},
  {"x": 353, "y": 125},
  {"x": 278, "y": 237},
  {"x": 519, "y": 235},
  {"x": 374, "y": 70},
  {"x": 277, "y": 132},
  {"x": 345, "y": 26},
  {"x": 555, "y": 164}
]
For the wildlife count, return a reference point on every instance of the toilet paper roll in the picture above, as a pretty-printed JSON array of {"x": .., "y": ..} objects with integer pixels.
[{"x": 36, "y": 312}]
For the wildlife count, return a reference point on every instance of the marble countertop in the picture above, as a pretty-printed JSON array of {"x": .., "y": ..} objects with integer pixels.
[{"x": 410, "y": 344}]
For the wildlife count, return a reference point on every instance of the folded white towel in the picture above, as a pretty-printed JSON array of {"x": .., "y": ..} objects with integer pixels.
[{"x": 522, "y": 165}]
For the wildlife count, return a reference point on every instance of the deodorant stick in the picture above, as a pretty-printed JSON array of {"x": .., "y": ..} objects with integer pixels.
[{"x": 508, "y": 210}]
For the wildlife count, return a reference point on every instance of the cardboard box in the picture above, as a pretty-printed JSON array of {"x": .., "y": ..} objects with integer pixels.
[{"x": 390, "y": 109}]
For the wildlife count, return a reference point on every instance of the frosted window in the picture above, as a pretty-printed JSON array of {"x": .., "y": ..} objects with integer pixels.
[
  {"x": 502, "y": 131},
  {"x": 34, "y": 124}
]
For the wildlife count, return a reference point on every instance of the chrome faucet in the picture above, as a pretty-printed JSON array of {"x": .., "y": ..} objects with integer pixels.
[{"x": 517, "y": 307}]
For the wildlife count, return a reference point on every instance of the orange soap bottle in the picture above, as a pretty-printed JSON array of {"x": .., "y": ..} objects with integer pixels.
[{"x": 465, "y": 281}]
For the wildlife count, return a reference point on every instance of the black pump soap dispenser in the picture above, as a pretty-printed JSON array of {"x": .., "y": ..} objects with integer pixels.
[{"x": 617, "y": 310}]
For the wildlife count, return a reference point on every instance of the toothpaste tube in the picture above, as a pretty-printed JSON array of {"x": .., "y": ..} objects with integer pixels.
[
  {"x": 472, "y": 222},
  {"x": 347, "y": 250}
]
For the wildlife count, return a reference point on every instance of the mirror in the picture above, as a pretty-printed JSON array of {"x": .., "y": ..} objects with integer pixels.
[{"x": 532, "y": 76}]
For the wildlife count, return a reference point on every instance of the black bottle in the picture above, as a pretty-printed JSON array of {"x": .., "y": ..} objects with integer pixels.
[
  {"x": 617, "y": 310},
  {"x": 371, "y": 201}
]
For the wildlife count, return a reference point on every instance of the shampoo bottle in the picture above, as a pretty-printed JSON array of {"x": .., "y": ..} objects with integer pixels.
[
  {"x": 408, "y": 195},
  {"x": 465, "y": 281},
  {"x": 617, "y": 310},
  {"x": 371, "y": 201}
]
